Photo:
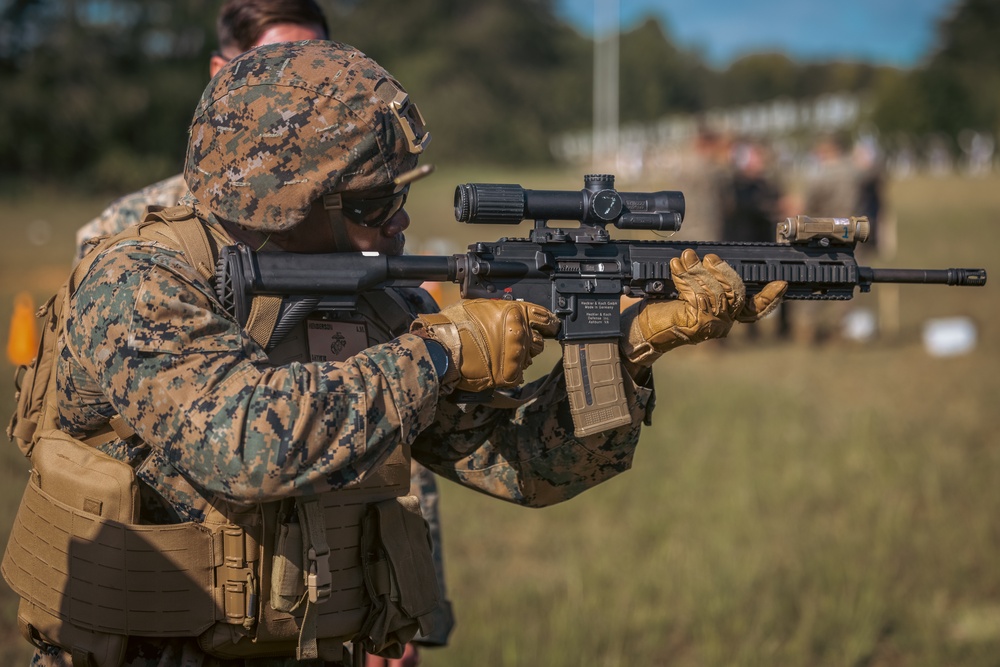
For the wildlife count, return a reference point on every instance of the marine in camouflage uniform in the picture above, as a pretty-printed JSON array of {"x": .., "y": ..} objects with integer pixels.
[
  {"x": 148, "y": 340},
  {"x": 216, "y": 418},
  {"x": 240, "y": 27},
  {"x": 129, "y": 210}
]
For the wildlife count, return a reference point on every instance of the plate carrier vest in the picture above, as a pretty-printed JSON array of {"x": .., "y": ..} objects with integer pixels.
[{"x": 298, "y": 577}]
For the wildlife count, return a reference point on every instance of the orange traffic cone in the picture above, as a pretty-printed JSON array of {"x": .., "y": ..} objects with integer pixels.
[{"x": 22, "y": 344}]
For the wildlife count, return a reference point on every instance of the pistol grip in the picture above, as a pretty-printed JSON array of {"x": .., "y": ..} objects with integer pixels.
[{"x": 595, "y": 387}]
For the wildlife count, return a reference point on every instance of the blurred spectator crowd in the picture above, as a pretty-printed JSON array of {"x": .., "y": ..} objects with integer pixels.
[{"x": 738, "y": 188}]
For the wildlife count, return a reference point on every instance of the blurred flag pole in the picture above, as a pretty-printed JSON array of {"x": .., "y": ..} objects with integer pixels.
[{"x": 604, "y": 143}]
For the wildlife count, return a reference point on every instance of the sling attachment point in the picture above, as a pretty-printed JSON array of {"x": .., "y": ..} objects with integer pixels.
[{"x": 319, "y": 581}]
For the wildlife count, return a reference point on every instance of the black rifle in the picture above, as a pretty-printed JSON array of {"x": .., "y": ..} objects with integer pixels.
[{"x": 578, "y": 273}]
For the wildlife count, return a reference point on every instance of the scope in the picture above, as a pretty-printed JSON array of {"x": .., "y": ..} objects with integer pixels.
[{"x": 598, "y": 203}]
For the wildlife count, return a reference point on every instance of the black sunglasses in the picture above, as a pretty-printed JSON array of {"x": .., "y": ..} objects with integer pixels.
[{"x": 376, "y": 211}]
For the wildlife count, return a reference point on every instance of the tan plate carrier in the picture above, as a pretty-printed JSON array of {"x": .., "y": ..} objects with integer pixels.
[{"x": 297, "y": 577}]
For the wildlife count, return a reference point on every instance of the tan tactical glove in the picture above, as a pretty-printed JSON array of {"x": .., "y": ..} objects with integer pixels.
[
  {"x": 490, "y": 341},
  {"x": 711, "y": 297}
]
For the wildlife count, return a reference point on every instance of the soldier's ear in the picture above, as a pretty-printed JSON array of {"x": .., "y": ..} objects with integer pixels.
[{"x": 215, "y": 63}]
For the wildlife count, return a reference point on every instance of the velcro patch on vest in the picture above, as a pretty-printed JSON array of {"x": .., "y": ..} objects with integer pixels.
[{"x": 335, "y": 340}]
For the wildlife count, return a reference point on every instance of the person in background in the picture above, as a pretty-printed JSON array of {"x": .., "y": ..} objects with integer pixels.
[
  {"x": 831, "y": 183},
  {"x": 756, "y": 195},
  {"x": 870, "y": 168},
  {"x": 755, "y": 203},
  {"x": 706, "y": 180},
  {"x": 830, "y": 190}
]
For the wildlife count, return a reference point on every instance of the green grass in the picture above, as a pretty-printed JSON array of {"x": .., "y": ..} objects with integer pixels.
[{"x": 790, "y": 505}]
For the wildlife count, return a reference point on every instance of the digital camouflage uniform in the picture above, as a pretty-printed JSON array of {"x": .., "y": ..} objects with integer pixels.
[{"x": 147, "y": 339}]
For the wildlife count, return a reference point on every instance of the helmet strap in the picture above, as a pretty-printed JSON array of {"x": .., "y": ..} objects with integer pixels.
[{"x": 334, "y": 206}]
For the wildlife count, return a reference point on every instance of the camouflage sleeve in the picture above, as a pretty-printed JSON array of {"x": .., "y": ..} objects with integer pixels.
[
  {"x": 182, "y": 373},
  {"x": 529, "y": 455}
]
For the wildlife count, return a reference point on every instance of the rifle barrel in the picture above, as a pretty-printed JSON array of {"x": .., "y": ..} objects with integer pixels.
[{"x": 960, "y": 277}]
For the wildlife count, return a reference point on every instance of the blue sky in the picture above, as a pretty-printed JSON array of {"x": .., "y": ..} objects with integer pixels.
[{"x": 892, "y": 32}]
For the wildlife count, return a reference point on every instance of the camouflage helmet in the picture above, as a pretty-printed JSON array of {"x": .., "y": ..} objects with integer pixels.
[{"x": 285, "y": 123}]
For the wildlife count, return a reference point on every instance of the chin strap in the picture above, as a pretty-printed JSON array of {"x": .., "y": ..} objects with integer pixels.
[{"x": 334, "y": 206}]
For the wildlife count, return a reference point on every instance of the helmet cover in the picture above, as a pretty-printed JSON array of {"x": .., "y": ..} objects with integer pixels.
[{"x": 284, "y": 123}]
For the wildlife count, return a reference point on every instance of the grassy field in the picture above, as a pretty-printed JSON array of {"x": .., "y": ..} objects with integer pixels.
[{"x": 791, "y": 504}]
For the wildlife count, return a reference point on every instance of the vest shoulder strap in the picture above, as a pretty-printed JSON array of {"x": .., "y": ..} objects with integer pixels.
[
  {"x": 196, "y": 240},
  {"x": 200, "y": 244}
]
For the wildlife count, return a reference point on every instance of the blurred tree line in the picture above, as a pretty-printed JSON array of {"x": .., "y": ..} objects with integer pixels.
[
  {"x": 958, "y": 87},
  {"x": 100, "y": 92}
]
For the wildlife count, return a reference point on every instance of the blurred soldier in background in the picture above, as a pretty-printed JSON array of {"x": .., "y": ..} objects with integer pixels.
[
  {"x": 831, "y": 185},
  {"x": 299, "y": 147},
  {"x": 754, "y": 205},
  {"x": 706, "y": 181},
  {"x": 860, "y": 323},
  {"x": 830, "y": 190},
  {"x": 870, "y": 199},
  {"x": 755, "y": 195}
]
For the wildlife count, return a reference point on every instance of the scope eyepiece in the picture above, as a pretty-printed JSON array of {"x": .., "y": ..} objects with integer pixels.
[{"x": 463, "y": 205}]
